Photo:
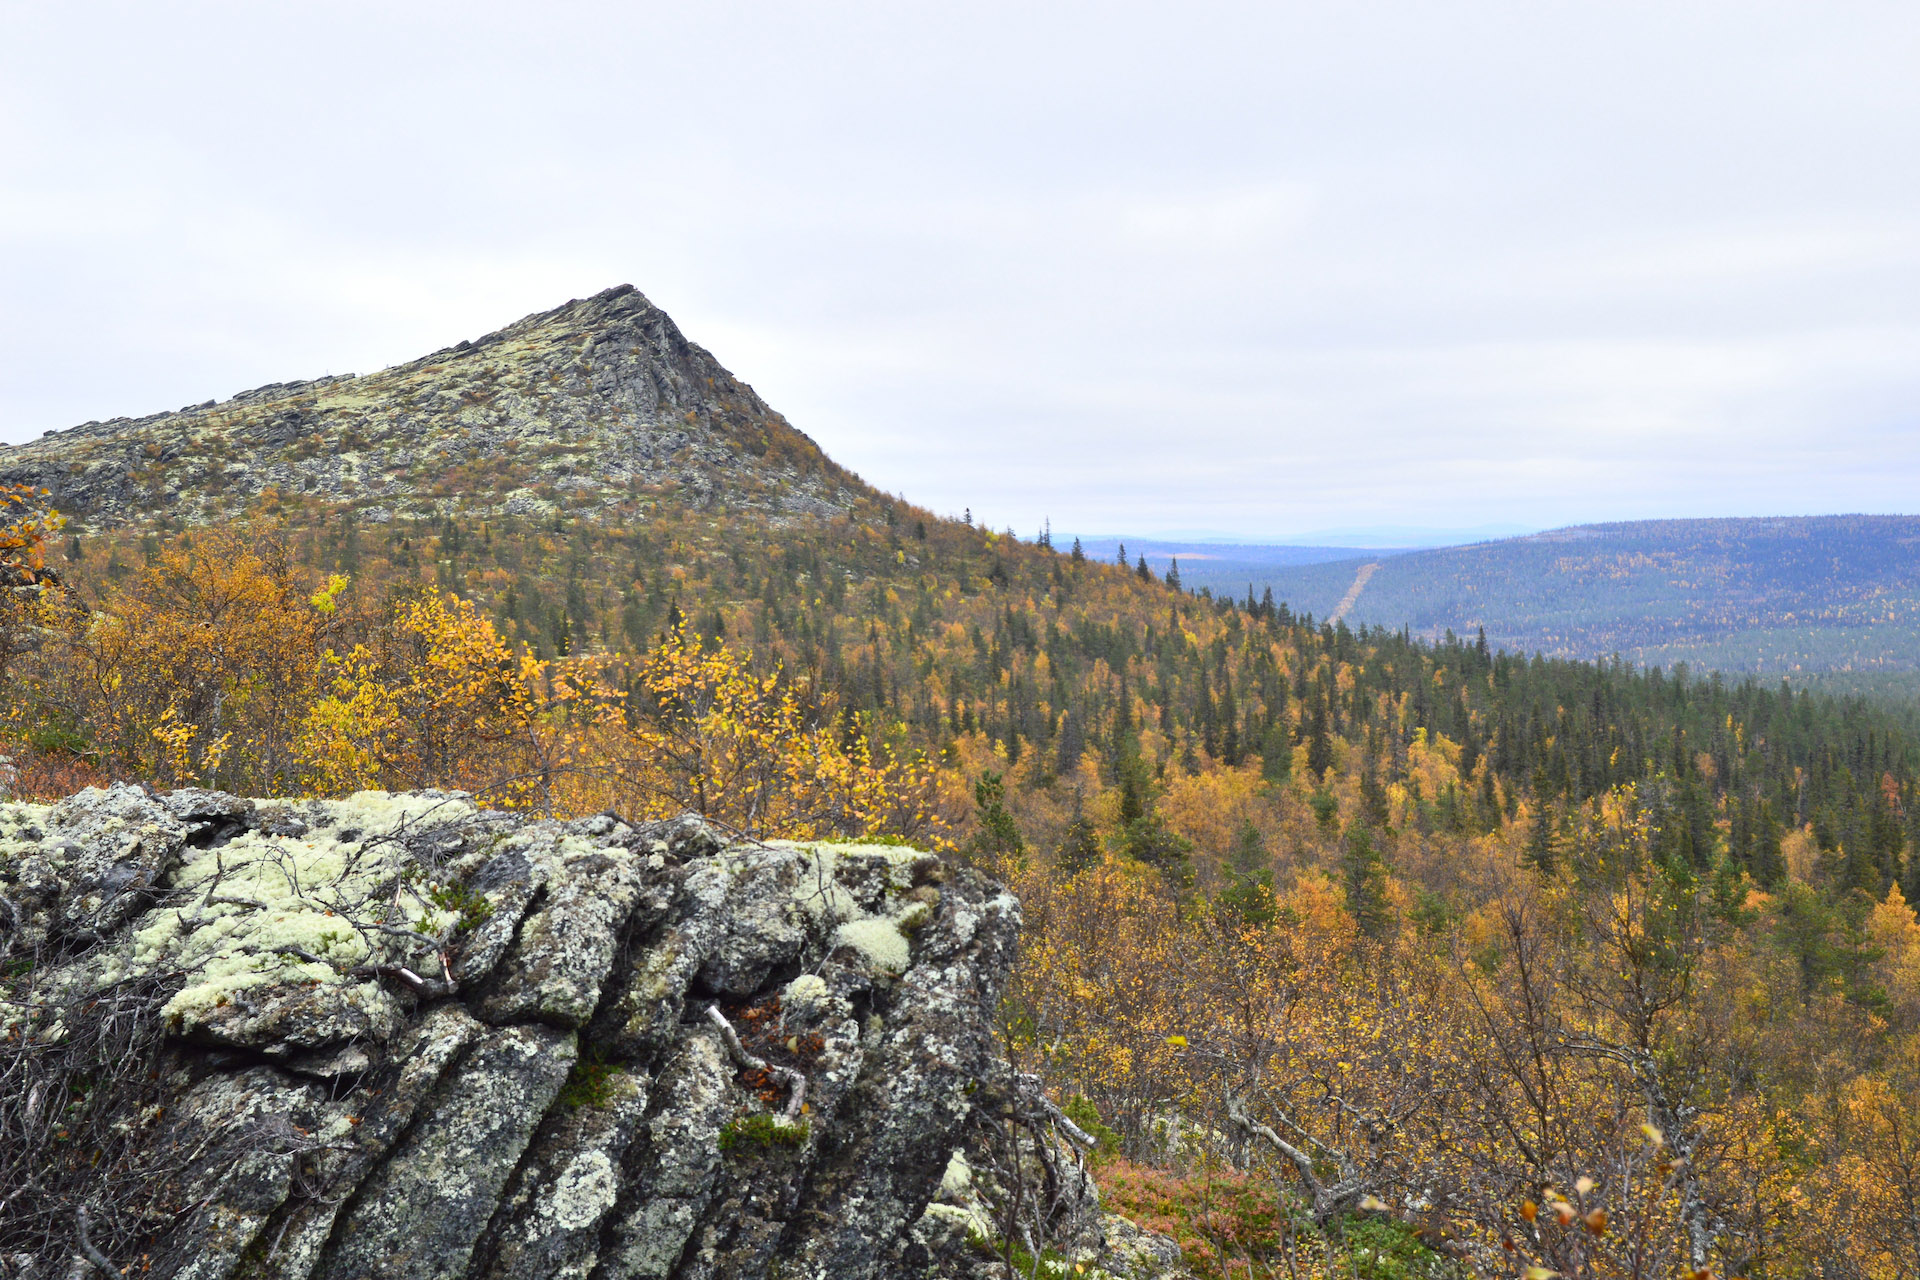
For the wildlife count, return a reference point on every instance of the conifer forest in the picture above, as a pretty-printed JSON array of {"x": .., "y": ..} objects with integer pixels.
[{"x": 1348, "y": 946}]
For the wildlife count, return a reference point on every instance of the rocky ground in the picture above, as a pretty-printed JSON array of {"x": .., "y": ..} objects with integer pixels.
[
  {"x": 397, "y": 1036},
  {"x": 595, "y": 403}
]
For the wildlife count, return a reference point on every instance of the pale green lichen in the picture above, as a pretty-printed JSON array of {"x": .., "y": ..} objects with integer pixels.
[
  {"x": 975, "y": 1223},
  {"x": 879, "y": 941},
  {"x": 957, "y": 1180},
  {"x": 15, "y": 821},
  {"x": 247, "y": 908},
  {"x": 583, "y": 1192},
  {"x": 879, "y": 936},
  {"x": 805, "y": 993}
]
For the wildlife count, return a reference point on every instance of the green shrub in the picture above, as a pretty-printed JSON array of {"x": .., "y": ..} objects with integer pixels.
[
  {"x": 472, "y": 908},
  {"x": 1087, "y": 1116}
]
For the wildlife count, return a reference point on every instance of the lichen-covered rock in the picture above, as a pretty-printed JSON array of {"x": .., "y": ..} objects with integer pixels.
[
  {"x": 85, "y": 866},
  {"x": 564, "y": 952},
  {"x": 399, "y": 1036},
  {"x": 421, "y": 1212},
  {"x": 591, "y": 401},
  {"x": 1133, "y": 1254}
]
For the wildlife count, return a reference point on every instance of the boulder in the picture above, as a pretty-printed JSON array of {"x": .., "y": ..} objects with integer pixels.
[{"x": 405, "y": 1038}]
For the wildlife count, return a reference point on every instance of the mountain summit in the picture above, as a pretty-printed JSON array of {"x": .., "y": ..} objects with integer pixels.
[{"x": 599, "y": 401}]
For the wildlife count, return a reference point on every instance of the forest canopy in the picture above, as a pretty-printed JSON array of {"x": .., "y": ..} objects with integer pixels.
[{"x": 1577, "y": 966}]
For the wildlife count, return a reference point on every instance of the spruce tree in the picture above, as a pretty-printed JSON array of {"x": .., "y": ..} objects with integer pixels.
[
  {"x": 1365, "y": 876},
  {"x": 1133, "y": 791},
  {"x": 1248, "y": 895},
  {"x": 998, "y": 838},
  {"x": 1319, "y": 740},
  {"x": 1764, "y": 856},
  {"x": 1539, "y": 852},
  {"x": 1079, "y": 844},
  {"x": 1150, "y": 840},
  {"x": 1071, "y": 744},
  {"x": 1276, "y": 754},
  {"x": 1373, "y": 796}
]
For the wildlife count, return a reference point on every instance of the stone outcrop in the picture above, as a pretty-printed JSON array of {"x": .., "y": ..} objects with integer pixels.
[
  {"x": 594, "y": 404},
  {"x": 397, "y": 1036}
]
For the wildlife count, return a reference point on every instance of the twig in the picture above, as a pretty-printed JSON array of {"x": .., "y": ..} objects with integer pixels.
[
  {"x": 1067, "y": 1126},
  {"x": 426, "y": 988},
  {"x": 393, "y": 931},
  {"x": 794, "y": 1080},
  {"x": 94, "y": 1256}
]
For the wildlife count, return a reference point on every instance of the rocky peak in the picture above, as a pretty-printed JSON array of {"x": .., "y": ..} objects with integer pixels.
[{"x": 595, "y": 403}]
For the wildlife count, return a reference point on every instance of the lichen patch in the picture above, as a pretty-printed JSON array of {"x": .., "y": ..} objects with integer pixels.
[{"x": 252, "y": 912}]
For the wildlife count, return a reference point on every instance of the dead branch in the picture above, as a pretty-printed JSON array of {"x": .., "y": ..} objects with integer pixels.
[{"x": 794, "y": 1080}]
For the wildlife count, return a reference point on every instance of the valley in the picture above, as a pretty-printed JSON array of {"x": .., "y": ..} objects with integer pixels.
[{"x": 1828, "y": 601}]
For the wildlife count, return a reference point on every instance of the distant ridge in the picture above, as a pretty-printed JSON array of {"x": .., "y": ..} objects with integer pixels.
[{"x": 1788, "y": 594}]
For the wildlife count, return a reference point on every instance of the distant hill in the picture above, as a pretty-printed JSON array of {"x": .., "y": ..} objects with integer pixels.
[
  {"x": 1803, "y": 596},
  {"x": 600, "y": 414},
  {"x": 1223, "y": 568},
  {"x": 598, "y": 403}
]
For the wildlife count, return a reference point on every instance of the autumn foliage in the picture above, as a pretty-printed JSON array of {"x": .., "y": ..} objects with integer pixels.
[
  {"x": 1369, "y": 957},
  {"x": 26, "y": 521},
  {"x": 222, "y": 664}
]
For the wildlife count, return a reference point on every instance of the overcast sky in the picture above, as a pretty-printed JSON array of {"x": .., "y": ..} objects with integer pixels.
[{"x": 1250, "y": 269}]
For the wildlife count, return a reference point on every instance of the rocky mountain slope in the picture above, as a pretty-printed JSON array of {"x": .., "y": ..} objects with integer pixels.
[
  {"x": 396, "y": 1036},
  {"x": 595, "y": 402}
]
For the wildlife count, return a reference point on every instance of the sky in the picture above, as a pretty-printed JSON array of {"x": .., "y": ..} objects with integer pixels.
[{"x": 1242, "y": 270}]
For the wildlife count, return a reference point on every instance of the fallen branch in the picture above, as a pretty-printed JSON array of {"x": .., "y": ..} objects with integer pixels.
[
  {"x": 795, "y": 1081},
  {"x": 425, "y": 988},
  {"x": 1327, "y": 1199},
  {"x": 254, "y": 903},
  {"x": 1067, "y": 1126},
  {"x": 94, "y": 1256}
]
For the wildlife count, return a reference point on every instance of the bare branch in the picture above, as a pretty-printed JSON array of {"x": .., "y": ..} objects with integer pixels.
[
  {"x": 1067, "y": 1126},
  {"x": 794, "y": 1080},
  {"x": 1302, "y": 1163},
  {"x": 425, "y": 988},
  {"x": 97, "y": 1258}
]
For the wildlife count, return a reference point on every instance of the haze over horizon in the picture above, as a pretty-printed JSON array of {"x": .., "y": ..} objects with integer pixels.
[{"x": 1257, "y": 270}]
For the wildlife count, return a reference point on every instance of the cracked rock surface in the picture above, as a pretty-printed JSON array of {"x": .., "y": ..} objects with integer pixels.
[{"x": 402, "y": 1037}]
